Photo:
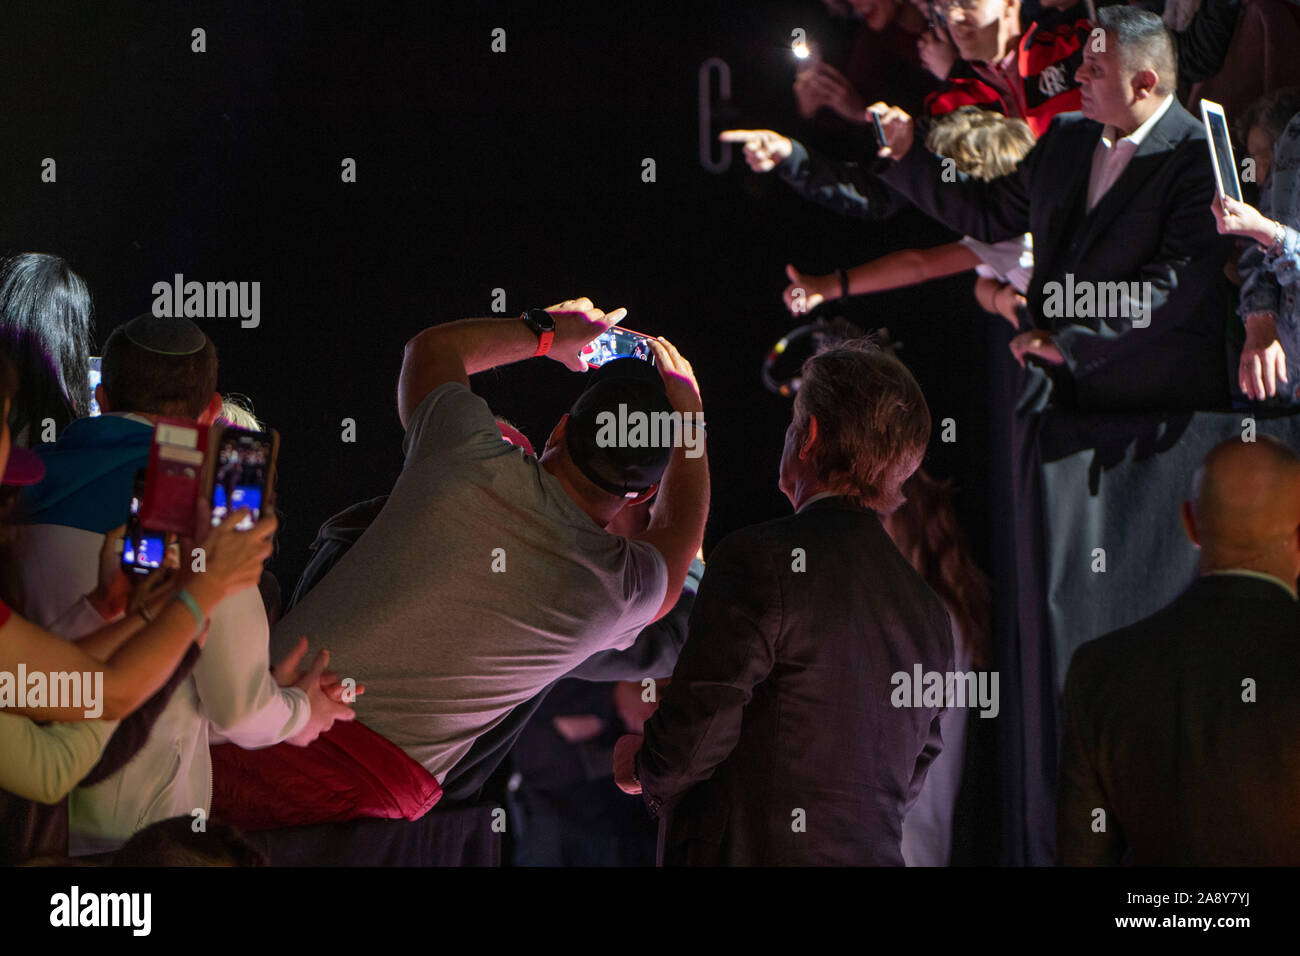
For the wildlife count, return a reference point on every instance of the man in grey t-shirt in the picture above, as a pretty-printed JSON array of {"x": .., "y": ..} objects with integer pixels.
[{"x": 488, "y": 574}]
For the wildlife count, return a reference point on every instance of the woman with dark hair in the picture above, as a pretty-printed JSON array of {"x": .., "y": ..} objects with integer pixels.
[
  {"x": 46, "y": 330},
  {"x": 130, "y": 660},
  {"x": 925, "y": 530}
]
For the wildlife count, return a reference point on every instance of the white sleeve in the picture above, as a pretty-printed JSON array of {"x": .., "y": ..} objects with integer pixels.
[
  {"x": 78, "y": 621},
  {"x": 1011, "y": 260},
  {"x": 233, "y": 677}
]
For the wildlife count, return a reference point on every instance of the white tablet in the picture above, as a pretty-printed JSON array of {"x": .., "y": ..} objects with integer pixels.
[{"x": 1225, "y": 168}]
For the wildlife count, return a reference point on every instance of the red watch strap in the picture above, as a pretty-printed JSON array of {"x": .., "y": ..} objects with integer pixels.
[{"x": 544, "y": 340}]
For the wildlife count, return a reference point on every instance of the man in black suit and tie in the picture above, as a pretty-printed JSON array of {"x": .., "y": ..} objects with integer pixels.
[
  {"x": 1128, "y": 296},
  {"x": 783, "y": 739},
  {"x": 1180, "y": 730}
]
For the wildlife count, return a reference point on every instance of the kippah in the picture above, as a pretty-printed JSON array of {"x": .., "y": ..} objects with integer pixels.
[{"x": 165, "y": 335}]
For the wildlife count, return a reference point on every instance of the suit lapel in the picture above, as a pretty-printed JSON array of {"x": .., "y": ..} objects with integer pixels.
[
  {"x": 1067, "y": 207},
  {"x": 1146, "y": 162}
]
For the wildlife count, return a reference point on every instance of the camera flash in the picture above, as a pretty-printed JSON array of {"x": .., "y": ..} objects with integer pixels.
[{"x": 801, "y": 50}]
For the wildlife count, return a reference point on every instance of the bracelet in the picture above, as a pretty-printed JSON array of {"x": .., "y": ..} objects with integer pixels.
[
  {"x": 186, "y": 598},
  {"x": 1279, "y": 236},
  {"x": 844, "y": 284}
]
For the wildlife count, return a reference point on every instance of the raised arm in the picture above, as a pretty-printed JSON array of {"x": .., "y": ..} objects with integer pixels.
[
  {"x": 893, "y": 271},
  {"x": 454, "y": 351},
  {"x": 842, "y": 186},
  {"x": 676, "y": 528},
  {"x": 990, "y": 210}
]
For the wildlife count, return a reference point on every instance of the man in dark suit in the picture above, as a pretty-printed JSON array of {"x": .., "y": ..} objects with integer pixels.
[
  {"x": 1180, "y": 730},
  {"x": 783, "y": 738},
  {"x": 1128, "y": 296}
]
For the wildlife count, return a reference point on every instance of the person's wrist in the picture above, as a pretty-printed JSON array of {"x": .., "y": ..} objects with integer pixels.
[
  {"x": 207, "y": 590},
  {"x": 544, "y": 325},
  {"x": 1261, "y": 325},
  {"x": 105, "y": 603}
]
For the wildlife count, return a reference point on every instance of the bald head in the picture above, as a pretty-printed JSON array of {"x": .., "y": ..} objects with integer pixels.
[{"x": 1245, "y": 508}]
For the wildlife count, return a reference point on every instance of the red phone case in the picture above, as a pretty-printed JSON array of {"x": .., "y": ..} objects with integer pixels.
[{"x": 171, "y": 485}]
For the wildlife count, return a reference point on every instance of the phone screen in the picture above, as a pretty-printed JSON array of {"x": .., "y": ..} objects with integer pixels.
[
  {"x": 95, "y": 378},
  {"x": 243, "y": 460},
  {"x": 1217, "y": 126},
  {"x": 142, "y": 551},
  {"x": 617, "y": 343}
]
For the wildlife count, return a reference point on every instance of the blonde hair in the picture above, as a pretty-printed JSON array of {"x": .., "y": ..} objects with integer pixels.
[
  {"x": 981, "y": 143},
  {"x": 237, "y": 410}
]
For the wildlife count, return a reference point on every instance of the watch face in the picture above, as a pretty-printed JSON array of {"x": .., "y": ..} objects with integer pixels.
[{"x": 539, "y": 320}]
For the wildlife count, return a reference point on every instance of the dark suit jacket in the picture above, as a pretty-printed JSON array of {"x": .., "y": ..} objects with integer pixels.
[
  {"x": 781, "y": 699},
  {"x": 1153, "y": 225},
  {"x": 1157, "y": 734}
]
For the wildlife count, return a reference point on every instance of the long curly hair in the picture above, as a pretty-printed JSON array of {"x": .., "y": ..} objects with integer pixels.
[{"x": 926, "y": 531}]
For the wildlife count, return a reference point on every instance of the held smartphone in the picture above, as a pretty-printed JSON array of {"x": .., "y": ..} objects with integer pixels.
[
  {"x": 1225, "y": 168},
  {"x": 142, "y": 551},
  {"x": 243, "y": 473},
  {"x": 176, "y": 467},
  {"x": 617, "y": 342},
  {"x": 877, "y": 130}
]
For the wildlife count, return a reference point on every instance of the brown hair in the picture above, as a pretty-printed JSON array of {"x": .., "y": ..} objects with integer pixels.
[
  {"x": 872, "y": 421},
  {"x": 981, "y": 143},
  {"x": 1271, "y": 112},
  {"x": 139, "y": 380},
  {"x": 926, "y": 531}
]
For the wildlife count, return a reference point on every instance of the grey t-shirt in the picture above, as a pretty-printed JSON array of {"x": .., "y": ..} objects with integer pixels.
[{"x": 479, "y": 583}]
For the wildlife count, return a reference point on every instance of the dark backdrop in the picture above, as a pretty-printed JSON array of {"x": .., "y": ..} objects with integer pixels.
[{"x": 475, "y": 170}]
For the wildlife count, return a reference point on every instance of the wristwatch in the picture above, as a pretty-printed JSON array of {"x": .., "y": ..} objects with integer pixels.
[{"x": 543, "y": 324}]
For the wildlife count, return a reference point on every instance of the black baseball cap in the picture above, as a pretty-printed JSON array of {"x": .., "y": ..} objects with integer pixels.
[{"x": 620, "y": 388}]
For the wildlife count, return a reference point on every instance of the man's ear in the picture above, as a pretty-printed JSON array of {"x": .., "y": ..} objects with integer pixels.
[
  {"x": 805, "y": 449},
  {"x": 213, "y": 409},
  {"x": 101, "y": 397},
  {"x": 1189, "y": 523},
  {"x": 556, "y": 438},
  {"x": 1144, "y": 83}
]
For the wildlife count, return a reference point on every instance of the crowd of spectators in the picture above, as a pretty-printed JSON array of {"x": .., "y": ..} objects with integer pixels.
[{"x": 547, "y": 613}]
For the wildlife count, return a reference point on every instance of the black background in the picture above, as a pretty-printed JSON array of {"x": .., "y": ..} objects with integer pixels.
[{"x": 475, "y": 171}]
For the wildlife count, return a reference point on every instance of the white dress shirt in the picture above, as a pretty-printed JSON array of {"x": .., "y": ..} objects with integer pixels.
[{"x": 1110, "y": 158}]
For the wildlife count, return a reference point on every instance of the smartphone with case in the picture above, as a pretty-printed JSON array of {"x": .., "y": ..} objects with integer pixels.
[
  {"x": 174, "y": 476},
  {"x": 241, "y": 473}
]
